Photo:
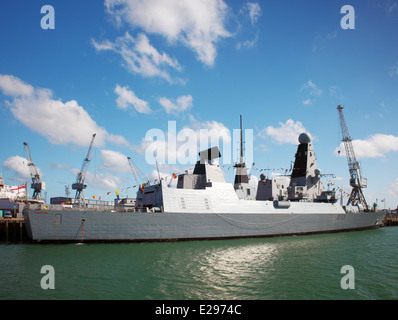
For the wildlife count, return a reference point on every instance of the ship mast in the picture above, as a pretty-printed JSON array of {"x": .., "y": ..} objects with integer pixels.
[
  {"x": 356, "y": 181},
  {"x": 241, "y": 141},
  {"x": 241, "y": 170}
]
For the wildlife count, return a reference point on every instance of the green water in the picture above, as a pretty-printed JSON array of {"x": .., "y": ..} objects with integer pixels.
[{"x": 304, "y": 267}]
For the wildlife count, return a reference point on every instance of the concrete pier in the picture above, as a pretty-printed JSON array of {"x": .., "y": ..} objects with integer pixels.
[
  {"x": 13, "y": 231},
  {"x": 390, "y": 221}
]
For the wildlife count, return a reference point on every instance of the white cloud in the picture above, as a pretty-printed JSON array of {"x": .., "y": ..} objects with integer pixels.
[
  {"x": 393, "y": 189},
  {"x": 56, "y": 166},
  {"x": 198, "y": 25},
  {"x": 312, "y": 88},
  {"x": 60, "y": 122},
  {"x": 254, "y": 11},
  {"x": 117, "y": 162},
  {"x": 181, "y": 104},
  {"x": 251, "y": 11},
  {"x": 104, "y": 181},
  {"x": 216, "y": 129},
  {"x": 118, "y": 140},
  {"x": 336, "y": 92},
  {"x": 127, "y": 97},
  {"x": 393, "y": 70},
  {"x": 389, "y": 6},
  {"x": 286, "y": 133},
  {"x": 140, "y": 56},
  {"x": 321, "y": 41},
  {"x": 12, "y": 86},
  {"x": 20, "y": 166},
  {"x": 247, "y": 44},
  {"x": 114, "y": 161},
  {"x": 375, "y": 146}
]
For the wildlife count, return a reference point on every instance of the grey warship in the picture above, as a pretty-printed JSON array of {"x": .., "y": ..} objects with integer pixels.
[{"x": 205, "y": 206}]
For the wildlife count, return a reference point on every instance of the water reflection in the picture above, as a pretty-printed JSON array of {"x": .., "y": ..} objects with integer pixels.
[
  {"x": 221, "y": 271},
  {"x": 241, "y": 269},
  {"x": 228, "y": 270}
]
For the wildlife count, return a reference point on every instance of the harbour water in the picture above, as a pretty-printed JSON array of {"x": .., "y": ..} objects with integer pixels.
[{"x": 302, "y": 267}]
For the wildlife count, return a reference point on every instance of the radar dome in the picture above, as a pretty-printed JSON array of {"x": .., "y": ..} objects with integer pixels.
[{"x": 304, "y": 138}]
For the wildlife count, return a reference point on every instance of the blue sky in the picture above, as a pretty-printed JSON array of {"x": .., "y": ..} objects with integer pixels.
[{"x": 123, "y": 68}]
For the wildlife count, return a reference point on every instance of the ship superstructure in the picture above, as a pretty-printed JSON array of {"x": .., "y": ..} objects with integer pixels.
[
  {"x": 306, "y": 176},
  {"x": 11, "y": 197}
]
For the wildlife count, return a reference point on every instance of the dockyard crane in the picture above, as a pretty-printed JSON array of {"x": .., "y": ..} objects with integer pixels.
[
  {"x": 37, "y": 185},
  {"x": 134, "y": 169},
  {"x": 357, "y": 183},
  {"x": 79, "y": 186}
]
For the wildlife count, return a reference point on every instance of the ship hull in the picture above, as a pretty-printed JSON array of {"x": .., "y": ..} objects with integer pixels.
[{"x": 94, "y": 226}]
